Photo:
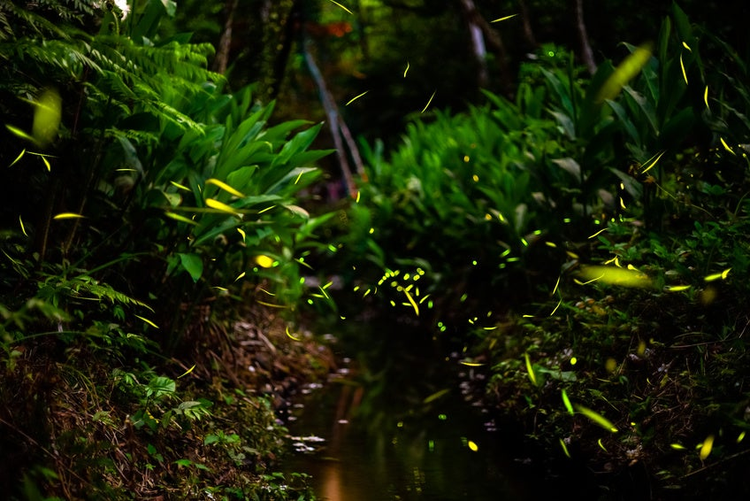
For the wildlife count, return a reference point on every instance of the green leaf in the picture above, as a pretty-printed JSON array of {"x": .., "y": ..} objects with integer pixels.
[{"x": 193, "y": 264}]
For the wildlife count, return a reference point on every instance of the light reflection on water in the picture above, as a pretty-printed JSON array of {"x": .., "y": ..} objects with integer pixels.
[{"x": 423, "y": 454}]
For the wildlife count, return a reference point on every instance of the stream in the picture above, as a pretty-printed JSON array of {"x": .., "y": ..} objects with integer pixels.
[{"x": 395, "y": 422}]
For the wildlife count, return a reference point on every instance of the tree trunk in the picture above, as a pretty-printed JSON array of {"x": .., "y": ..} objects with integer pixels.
[
  {"x": 587, "y": 55},
  {"x": 225, "y": 42},
  {"x": 528, "y": 33},
  {"x": 479, "y": 49},
  {"x": 334, "y": 119}
]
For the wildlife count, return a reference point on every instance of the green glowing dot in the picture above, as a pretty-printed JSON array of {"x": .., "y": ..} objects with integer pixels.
[
  {"x": 431, "y": 445},
  {"x": 400, "y": 424},
  {"x": 309, "y": 301},
  {"x": 372, "y": 230},
  {"x": 551, "y": 53},
  {"x": 429, "y": 304},
  {"x": 573, "y": 361},
  {"x": 442, "y": 417},
  {"x": 474, "y": 262}
]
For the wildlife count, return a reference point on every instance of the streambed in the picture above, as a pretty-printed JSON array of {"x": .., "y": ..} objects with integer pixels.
[{"x": 394, "y": 423}]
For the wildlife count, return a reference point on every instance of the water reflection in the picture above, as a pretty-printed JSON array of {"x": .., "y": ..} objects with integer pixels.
[{"x": 397, "y": 434}]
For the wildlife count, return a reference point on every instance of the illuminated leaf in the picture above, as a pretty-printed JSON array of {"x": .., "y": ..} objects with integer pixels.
[
  {"x": 677, "y": 447},
  {"x": 240, "y": 276},
  {"x": 224, "y": 186},
  {"x": 242, "y": 233},
  {"x": 470, "y": 364},
  {"x": 597, "y": 418},
  {"x": 706, "y": 447},
  {"x": 407, "y": 68}
]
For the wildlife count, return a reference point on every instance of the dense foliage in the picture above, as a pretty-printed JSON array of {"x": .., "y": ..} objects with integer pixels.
[
  {"x": 139, "y": 199},
  {"x": 587, "y": 245}
]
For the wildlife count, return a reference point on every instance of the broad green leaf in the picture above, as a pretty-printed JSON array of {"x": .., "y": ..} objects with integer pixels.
[{"x": 193, "y": 264}]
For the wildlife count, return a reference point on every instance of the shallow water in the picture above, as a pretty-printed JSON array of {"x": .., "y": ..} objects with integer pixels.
[{"x": 400, "y": 430}]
